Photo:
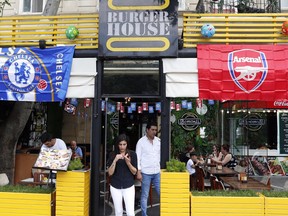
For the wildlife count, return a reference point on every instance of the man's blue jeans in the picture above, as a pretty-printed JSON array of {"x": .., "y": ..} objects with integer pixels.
[{"x": 145, "y": 187}]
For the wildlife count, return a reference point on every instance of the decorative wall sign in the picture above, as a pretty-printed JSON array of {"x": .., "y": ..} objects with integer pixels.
[
  {"x": 189, "y": 121},
  {"x": 252, "y": 122},
  {"x": 138, "y": 28},
  {"x": 202, "y": 110}
]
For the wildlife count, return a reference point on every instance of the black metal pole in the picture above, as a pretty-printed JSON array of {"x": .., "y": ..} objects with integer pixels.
[
  {"x": 96, "y": 144},
  {"x": 165, "y": 119}
]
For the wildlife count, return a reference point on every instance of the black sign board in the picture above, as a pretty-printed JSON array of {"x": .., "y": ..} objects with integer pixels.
[
  {"x": 189, "y": 121},
  {"x": 252, "y": 122},
  {"x": 283, "y": 133},
  {"x": 142, "y": 28}
]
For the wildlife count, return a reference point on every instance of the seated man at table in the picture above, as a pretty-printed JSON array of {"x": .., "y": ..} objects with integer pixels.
[
  {"x": 76, "y": 150},
  {"x": 228, "y": 159},
  {"x": 190, "y": 166}
]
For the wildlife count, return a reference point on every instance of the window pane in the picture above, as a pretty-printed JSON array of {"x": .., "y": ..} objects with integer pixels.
[
  {"x": 26, "y": 5},
  {"x": 37, "y": 6},
  {"x": 284, "y": 3},
  {"x": 131, "y": 77}
]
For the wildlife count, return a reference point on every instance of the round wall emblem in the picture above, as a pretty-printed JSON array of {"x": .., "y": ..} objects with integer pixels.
[
  {"x": 252, "y": 122},
  {"x": 201, "y": 110},
  {"x": 189, "y": 121}
]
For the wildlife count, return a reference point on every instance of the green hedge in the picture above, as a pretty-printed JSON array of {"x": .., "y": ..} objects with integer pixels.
[
  {"x": 230, "y": 193},
  {"x": 24, "y": 189},
  {"x": 275, "y": 193}
]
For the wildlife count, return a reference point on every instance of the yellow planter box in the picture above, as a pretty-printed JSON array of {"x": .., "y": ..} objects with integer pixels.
[
  {"x": 72, "y": 193},
  {"x": 276, "y": 206},
  {"x": 26, "y": 204},
  {"x": 236, "y": 206},
  {"x": 174, "y": 194}
]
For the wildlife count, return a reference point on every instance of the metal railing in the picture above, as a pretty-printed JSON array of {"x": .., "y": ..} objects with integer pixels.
[
  {"x": 230, "y": 29},
  {"x": 240, "y": 6},
  {"x": 28, "y": 30},
  {"x": 234, "y": 29}
]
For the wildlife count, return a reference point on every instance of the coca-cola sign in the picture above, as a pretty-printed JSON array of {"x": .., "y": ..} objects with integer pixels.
[{"x": 281, "y": 103}]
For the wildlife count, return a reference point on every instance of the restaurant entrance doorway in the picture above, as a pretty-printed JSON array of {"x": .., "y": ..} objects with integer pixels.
[{"x": 130, "y": 99}]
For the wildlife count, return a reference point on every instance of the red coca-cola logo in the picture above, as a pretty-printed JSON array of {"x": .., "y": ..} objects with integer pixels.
[{"x": 281, "y": 103}]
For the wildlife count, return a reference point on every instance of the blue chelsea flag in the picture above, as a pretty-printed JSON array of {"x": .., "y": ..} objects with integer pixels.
[{"x": 34, "y": 74}]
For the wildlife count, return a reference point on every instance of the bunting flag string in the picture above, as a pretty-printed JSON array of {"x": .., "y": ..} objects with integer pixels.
[{"x": 149, "y": 107}]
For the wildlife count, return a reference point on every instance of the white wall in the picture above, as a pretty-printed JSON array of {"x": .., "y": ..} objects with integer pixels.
[
  {"x": 65, "y": 7},
  {"x": 78, "y": 6}
]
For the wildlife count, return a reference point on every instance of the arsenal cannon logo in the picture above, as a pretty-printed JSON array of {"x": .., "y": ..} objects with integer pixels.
[{"x": 248, "y": 69}]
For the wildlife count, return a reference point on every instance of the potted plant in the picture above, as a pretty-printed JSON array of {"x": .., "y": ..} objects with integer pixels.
[
  {"x": 25, "y": 200},
  {"x": 72, "y": 191},
  {"x": 275, "y": 202},
  {"x": 175, "y": 191},
  {"x": 227, "y": 202}
]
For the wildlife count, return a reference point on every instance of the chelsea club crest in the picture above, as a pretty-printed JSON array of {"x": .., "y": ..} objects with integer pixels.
[{"x": 21, "y": 73}]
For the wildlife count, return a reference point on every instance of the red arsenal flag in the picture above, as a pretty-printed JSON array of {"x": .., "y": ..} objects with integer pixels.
[{"x": 243, "y": 72}]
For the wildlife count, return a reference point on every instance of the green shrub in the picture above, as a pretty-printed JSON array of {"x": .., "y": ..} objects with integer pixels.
[
  {"x": 75, "y": 164},
  {"x": 24, "y": 189},
  {"x": 230, "y": 193},
  {"x": 275, "y": 193},
  {"x": 175, "y": 166}
]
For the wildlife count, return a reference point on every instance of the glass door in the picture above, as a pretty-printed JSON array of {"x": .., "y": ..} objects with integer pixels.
[{"x": 130, "y": 99}]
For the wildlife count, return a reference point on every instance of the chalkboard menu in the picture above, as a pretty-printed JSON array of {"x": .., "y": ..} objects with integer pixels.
[{"x": 283, "y": 133}]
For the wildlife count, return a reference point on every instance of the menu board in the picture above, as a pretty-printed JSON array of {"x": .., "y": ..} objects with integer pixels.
[
  {"x": 283, "y": 133},
  {"x": 53, "y": 159}
]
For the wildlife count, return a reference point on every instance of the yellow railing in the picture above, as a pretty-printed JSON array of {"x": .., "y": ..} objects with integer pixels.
[
  {"x": 234, "y": 29},
  {"x": 230, "y": 29},
  {"x": 28, "y": 30}
]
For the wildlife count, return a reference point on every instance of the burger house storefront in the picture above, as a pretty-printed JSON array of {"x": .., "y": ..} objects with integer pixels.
[
  {"x": 139, "y": 43},
  {"x": 134, "y": 37}
]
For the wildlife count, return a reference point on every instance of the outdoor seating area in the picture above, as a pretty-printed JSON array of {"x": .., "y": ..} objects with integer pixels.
[
  {"x": 213, "y": 177},
  {"x": 241, "y": 194}
]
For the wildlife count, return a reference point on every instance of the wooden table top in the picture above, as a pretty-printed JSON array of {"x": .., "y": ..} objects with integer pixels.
[
  {"x": 225, "y": 171},
  {"x": 251, "y": 184}
]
